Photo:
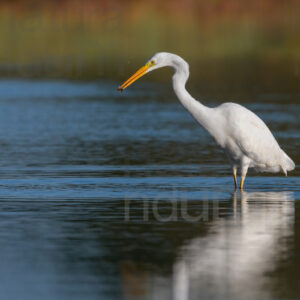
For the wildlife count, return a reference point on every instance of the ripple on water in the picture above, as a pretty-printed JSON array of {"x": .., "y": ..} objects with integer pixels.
[{"x": 102, "y": 196}]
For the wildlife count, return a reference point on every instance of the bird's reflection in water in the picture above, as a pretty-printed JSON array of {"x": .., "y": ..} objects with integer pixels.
[{"x": 233, "y": 259}]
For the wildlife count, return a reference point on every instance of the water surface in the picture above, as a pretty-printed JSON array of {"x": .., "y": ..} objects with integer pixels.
[{"x": 109, "y": 196}]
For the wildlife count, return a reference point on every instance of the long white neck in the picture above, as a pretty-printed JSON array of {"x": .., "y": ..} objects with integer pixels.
[{"x": 202, "y": 113}]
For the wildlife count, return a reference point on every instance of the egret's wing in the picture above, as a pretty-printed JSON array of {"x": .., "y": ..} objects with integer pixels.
[
  {"x": 253, "y": 137},
  {"x": 259, "y": 144}
]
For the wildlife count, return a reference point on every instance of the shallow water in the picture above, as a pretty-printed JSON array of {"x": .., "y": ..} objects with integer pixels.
[{"x": 109, "y": 196}]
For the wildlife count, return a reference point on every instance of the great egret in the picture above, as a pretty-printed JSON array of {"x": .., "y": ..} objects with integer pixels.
[{"x": 246, "y": 139}]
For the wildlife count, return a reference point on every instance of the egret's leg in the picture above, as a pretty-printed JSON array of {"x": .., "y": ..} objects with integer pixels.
[
  {"x": 242, "y": 183},
  {"x": 244, "y": 171},
  {"x": 235, "y": 177}
]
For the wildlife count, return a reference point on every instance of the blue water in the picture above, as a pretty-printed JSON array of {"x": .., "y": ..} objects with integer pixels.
[{"x": 124, "y": 196}]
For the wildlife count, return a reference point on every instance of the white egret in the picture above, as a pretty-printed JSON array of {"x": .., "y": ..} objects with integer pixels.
[{"x": 245, "y": 138}]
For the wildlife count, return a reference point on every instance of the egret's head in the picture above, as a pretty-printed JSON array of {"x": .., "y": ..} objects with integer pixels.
[{"x": 158, "y": 60}]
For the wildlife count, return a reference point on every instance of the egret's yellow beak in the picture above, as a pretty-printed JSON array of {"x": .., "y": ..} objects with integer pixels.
[{"x": 139, "y": 73}]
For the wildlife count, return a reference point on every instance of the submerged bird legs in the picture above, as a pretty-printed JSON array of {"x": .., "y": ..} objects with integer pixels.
[{"x": 244, "y": 170}]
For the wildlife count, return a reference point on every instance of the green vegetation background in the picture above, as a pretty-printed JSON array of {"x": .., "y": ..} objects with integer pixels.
[{"x": 231, "y": 45}]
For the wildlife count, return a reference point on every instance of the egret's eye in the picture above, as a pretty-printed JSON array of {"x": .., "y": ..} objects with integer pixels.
[{"x": 151, "y": 63}]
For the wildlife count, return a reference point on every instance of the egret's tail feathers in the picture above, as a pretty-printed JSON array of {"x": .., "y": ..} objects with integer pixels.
[{"x": 288, "y": 164}]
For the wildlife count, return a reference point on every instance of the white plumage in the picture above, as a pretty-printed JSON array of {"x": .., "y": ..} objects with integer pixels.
[
  {"x": 245, "y": 138},
  {"x": 249, "y": 142}
]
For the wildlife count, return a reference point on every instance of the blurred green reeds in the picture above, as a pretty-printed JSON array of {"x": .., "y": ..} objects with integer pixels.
[{"x": 108, "y": 40}]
